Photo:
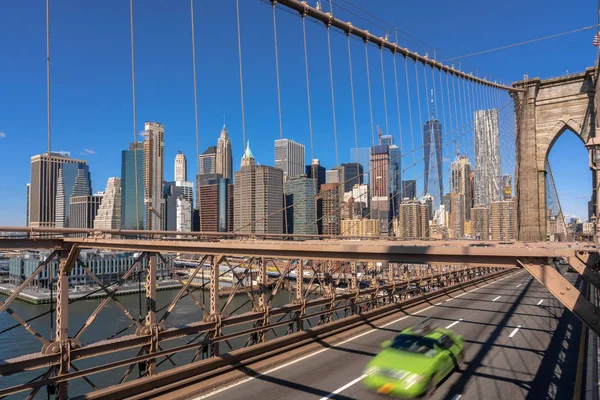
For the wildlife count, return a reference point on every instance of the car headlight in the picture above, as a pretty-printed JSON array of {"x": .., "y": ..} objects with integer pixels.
[
  {"x": 372, "y": 371},
  {"x": 413, "y": 379}
]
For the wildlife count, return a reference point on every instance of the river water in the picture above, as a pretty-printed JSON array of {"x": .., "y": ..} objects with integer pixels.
[{"x": 18, "y": 341}]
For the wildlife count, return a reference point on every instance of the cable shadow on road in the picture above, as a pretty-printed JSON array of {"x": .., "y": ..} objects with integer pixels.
[
  {"x": 556, "y": 376},
  {"x": 460, "y": 385}
]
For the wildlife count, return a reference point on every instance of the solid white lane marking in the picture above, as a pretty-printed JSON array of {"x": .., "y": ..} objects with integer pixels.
[
  {"x": 454, "y": 323},
  {"x": 439, "y": 304},
  {"x": 496, "y": 298},
  {"x": 515, "y": 331},
  {"x": 346, "y": 386},
  {"x": 540, "y": 302},
  {"x": 297, "y": 360},
  {"x": 456, "y": 397},
  {"x": 519, "y": 284},
  {"x": 460, "y": 295},
  {"x": 448, "y": 300}
]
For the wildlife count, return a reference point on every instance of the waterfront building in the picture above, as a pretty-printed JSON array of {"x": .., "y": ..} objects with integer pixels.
[
  {"x": 179, "y": 200},
  {"x": 480, "y": 222},
  {"x": 360, "y": 227},
  {"x": 460, "y": 182},
  {"x": 412, "y": 221},
  {"x": 329, "y": 197},
  {"x": 409, "y": 189},
  {"x": 83, "y": 210},
  {"x": 457, "y": 215},
  {"x": 43, "y": 190},
  {"x": 316, "y": 171},
  {"x": 352, "y": 175},
  {"x": 380, "y": 186},
  {"x": 216, "y": 206}
]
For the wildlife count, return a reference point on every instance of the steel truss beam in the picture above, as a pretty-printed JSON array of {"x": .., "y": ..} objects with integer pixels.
[{"x": 564, "y": 291}]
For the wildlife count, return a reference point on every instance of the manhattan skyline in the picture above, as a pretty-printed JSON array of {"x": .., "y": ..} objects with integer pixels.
[{"x": 108, "y": 92}]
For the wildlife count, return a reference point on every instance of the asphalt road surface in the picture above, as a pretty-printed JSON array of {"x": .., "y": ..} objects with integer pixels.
[{"x": 519, "y": 343}]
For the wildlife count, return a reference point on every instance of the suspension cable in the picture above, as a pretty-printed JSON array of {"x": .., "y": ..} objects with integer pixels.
[
  {"x": 239, "y": 40},
  {"x": 385, "y": 111},
  {"x": 199, "y": 198},
  {"x": 353, "y": 103},
  {"x": 401, "y": 188},
  {"x": 410, "y": 116},
  {"x": 285, "y": 216},
  {"x": 332, "y": 96},
  {"x": 369, "y": 89},
  {"x": 310, "y": 127},
  {"x": 426, "y": 183}
]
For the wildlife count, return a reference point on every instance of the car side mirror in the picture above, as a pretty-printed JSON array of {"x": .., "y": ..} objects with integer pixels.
[{"x": 386, "y": 344}]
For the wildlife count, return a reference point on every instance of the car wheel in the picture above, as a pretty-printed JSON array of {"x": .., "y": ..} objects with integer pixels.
[{"x": 430, "y": 388}]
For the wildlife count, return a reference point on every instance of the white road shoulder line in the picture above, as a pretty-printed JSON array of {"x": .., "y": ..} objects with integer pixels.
[
  {"x": 456, "y": 397},
  {"x": 496, "y": 298},
  {"x": 514, "y": 332},
  {"x": 460, "y": 295},
  {"x": 454, "y": 323},
  {"x": 439, "y": 304},
  {"x": 540, "y": 302},
  {"x": 346, "y": 386},
  {"x": 519, "y": 284}
]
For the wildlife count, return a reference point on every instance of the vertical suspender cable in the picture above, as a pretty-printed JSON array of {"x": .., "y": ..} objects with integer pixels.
[
  {"x": 239, "y": 40},
  {"x": 401, "y": 189},
  {"x": 387, "y": 126},
  {"x": 426, "y": 183},
  {"x": 199, "y": 198},
  {"x": 431, "y": 133},
  {"x": 410, "y": 121},
  {"x": 353, "y": 105},
  {"x": 285, "y": 206},
  {"x": 332, "y": 96},
  {"x": 369, "y": 91},
  {"x": 134, "y": 111},
  {"x": 49, "y": 160},
  {"x": 310, "y": 127}
]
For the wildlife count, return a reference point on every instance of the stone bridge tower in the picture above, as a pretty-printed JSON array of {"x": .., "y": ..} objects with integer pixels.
[{"x": 544, "y": 110}]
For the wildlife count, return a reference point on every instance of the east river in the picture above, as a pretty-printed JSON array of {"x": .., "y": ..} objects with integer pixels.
[{"x": 18, "y": 341}]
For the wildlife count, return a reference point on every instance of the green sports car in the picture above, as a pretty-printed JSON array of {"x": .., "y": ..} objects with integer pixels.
[{"x": 415, "y": 362}]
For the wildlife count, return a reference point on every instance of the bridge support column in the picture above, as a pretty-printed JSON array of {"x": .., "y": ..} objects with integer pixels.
[
  {"x": 150, "y": 326},
  {"x": 299, "y": 298},
  {"x": 63, "y": 343},
  {"x": 566, "y": 293},
  {"x": 215, "y": 313}
]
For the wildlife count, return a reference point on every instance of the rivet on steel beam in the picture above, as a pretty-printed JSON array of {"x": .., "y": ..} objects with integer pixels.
[{"x": 561, "y": 292}]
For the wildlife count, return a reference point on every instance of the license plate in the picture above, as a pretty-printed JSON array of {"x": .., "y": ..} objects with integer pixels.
[{"x": 386, "y": 389}]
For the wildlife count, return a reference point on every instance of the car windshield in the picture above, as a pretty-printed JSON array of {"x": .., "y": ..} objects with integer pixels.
[{"x": 413, "y": 344}]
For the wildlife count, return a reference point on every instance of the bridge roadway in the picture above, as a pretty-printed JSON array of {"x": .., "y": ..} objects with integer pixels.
[{"x": 539, "y": 360}]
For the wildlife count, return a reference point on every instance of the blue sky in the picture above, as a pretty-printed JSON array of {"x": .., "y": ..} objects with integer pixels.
[{"x": 91, "y": 92}]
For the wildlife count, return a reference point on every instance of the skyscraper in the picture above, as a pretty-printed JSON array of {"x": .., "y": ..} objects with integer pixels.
[
  {"x": 83, "y": 210},
  {"x": 395, "y": 174},
  {"x": 409, "y": 189},
  {"x": 154, "y": 172},
  {"x": 216, "y": 207},
  {"x": 174, "y": 192},
  {"x": 302, "y": 208},
  {"x": 289, "y": 157},
  {"x": 109, "y": 212},
  {"x": 433, "y": 128},
  {"x": 208, "y": 161},
  {"x": 129, "y": 197},
  {"x": 73, "y": 180},
  {"x": 330, "y": 203},
  {"x": 380, "y": 186},
  {"x": 258, "y": 197},
  {"x": 480, "y": 222},
  {"x": 412, "y": 221},
  {"x": 44, "y": 182},
  {"x": 224, "y": 158},
  {"x": 361, "y": 156},
  {"x": 503, "y": 220},
  {"x": 352, "y": 175},
  {"x": 180, "y": 167},
  {"x": 487, "y": 157},
  {"x": 457, "y": 216},
  {"x": 28, "y": 200},
  {"x": 460, "y": 182},
  {"x": 316, "y": 171}
]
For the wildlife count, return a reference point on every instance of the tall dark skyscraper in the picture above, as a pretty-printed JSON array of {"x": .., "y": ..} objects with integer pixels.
[
  {"x": 316, "y": 171},
  {"x": 353, "y": 175},
  {"x": 409, "y": 189},
  {"x": 433, "y": 128},
  {"x": 128, "y": 196}
]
